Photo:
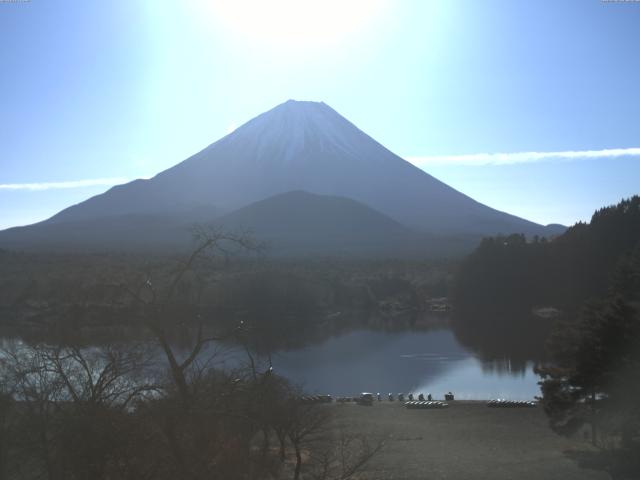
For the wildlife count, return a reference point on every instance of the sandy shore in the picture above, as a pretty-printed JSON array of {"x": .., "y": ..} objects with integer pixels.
[{"x": 468, "y": 440}]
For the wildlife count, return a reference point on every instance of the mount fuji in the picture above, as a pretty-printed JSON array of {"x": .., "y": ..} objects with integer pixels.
[{"x": 297, "y": 146}]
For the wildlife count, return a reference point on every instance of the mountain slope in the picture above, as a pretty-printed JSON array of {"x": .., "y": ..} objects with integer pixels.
[
  {"x": 299, "y": 222},
  {"x": 302, "y": 146},
  {"x": 296, "y": 146},
  {"x": 121, "y": 233}
]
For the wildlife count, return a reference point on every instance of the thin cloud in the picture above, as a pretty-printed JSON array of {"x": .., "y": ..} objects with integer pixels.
[
  {"x": 522, "y": 157},
  {"x": 90, "y": 182},
  {"x": 474, "y": 159}
]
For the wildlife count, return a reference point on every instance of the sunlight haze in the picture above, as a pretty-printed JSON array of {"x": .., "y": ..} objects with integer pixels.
[{"x": 127, "y": 89}]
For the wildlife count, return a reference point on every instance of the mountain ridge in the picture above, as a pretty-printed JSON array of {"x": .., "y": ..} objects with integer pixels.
[
  {"x": 297, "y": 146},
  {"x": 303, "y": 146}
]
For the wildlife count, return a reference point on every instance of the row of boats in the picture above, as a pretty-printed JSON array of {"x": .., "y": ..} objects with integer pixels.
[
  {"x": 368, "y": 399},
  {"x": 425, "y": 405},
  {"x": 502, "y": 403}
]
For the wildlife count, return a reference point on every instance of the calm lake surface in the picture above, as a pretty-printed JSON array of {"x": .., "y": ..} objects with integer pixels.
[
  {"x": 409, "y": 361},
  {"x": 416, "y": 361}
]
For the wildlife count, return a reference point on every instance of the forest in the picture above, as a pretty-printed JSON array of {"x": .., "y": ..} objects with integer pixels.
[{"x": 511, "y": 290}]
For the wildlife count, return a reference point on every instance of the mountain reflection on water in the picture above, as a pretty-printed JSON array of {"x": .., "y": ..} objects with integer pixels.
[{"x": 430, "y": 361}]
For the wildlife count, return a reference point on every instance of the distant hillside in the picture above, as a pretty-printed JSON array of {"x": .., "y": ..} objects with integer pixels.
[
  {"x": 295, "y": 146},
  {"x": 553, "y": 230},
  {"x": 301, "y": 223},
  {"x": 119, "y": 233}
]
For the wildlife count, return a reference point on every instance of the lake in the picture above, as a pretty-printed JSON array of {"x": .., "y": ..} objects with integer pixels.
[
  {"x": 430, "y": 361},
  {"x": 417, "y": 361}
]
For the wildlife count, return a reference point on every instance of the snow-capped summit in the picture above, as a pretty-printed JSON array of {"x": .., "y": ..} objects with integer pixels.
[
  {"x": 296, "y": 125},
  {"x": 288, "y": 132}
]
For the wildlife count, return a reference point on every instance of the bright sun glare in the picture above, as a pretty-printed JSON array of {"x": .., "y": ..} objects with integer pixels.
[{"x": 294, "y": 23}]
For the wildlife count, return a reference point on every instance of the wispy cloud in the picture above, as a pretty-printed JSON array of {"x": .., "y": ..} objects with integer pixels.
[
  {"x": 521, "y": 157},
  {"x": 474, "y": 159},
  {"x": 90, "y": 182}
]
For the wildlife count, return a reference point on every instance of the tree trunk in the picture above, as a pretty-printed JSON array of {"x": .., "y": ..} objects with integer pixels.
[
  {"x": 176, "y": 372},
  {"x": 265, "y": 442},
  {"x": 296, "y": 474},
  {"x": 281, "y": 439},
  {"x": 594, "y": 427},
  {"x": 46, "y": 454}
]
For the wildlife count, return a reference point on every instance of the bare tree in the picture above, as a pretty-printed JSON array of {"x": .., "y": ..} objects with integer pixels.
[
  {"x": 155, "y": 304},
  {"x": 193, "y": 429},
  {"x": 306, "y": 422},
  {"x": 346, "y": 456},
  {"x": 72, "y": 420}
]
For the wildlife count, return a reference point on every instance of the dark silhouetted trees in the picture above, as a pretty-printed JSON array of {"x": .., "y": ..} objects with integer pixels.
[
  {"x": 593, "y": 374},
  {"x": 500, "y": 287},
  {"x": 595, "y": 365}
]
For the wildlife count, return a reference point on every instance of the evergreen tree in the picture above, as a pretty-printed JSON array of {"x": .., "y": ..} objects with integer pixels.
[{"x": 594, "y": 375}]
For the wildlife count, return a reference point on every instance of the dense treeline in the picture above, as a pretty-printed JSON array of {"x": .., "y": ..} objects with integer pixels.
[
  {"x": 592, "y": 377},
  {"x": 285, "y": 303},
  {"x": 512, "y": 273},
  {"x": 501, "y": 287}
]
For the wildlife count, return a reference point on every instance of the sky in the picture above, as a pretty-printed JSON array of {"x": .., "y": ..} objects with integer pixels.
[{"x": 531, "y": 107}]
